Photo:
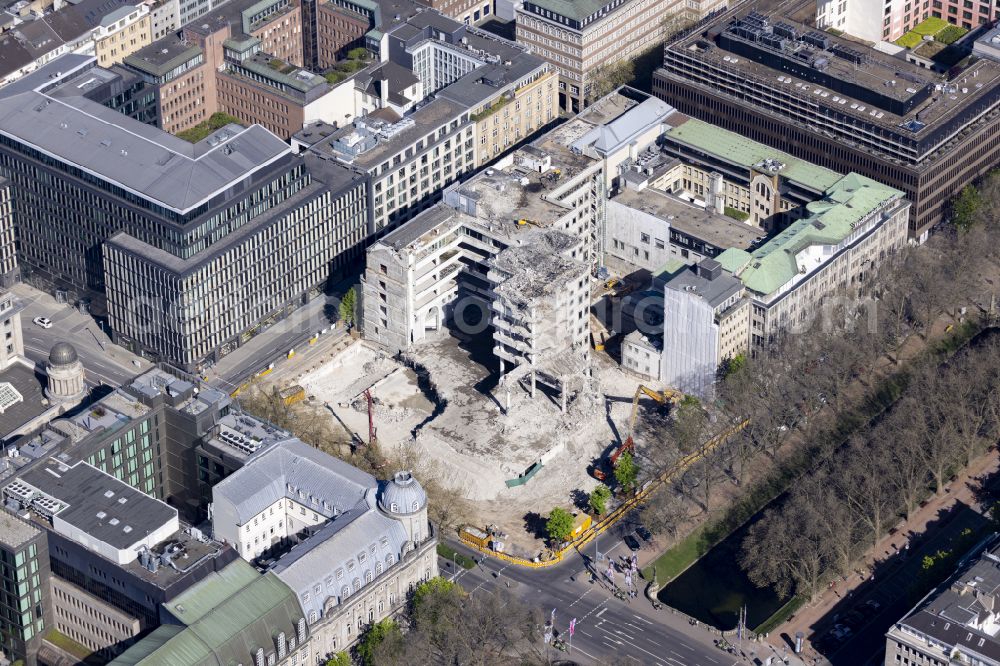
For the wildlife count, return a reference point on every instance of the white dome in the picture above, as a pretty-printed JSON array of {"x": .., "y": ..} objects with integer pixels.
[{"x": 402, "y": 495}]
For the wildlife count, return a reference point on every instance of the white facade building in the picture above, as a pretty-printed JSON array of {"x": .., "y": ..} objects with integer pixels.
[
  {"x": 94, "y": 509},
  {"x": 350, "y": 547}
]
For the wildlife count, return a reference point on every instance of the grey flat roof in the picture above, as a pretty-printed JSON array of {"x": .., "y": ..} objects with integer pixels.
[
  {"x": 718, "y": 230},
  {"x": 24, "y": 381},
  {"x": 139, "y": 158},
  {"x": 15, "y": 532},
  {"x": 89, "y": 79},
  {"x": 327, "y": 175},
  {"x": 50, "y": 75},
  {"x": 162, "y": 56},
  {"x": 85, "y": 490},
  {"x": 575, "y": 9},
  {"x": 713, "y": 291},
  {"x": 427, "y": 220},
  {"x": 425, "y": 119},
  {"x": 470, "y": 91}
]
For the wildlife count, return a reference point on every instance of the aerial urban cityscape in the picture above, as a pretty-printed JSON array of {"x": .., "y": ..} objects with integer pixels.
[{"x": 500, "y": 332}]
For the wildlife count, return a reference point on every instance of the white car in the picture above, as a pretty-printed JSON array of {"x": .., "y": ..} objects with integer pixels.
[{"x": 44, "y": 322}]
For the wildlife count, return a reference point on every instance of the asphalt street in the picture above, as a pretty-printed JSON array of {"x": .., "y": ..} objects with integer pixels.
[
  {"x": 607, "y": 628},
  {"x": 273, "y": 344},
  {"x": 103, "y": 362}
]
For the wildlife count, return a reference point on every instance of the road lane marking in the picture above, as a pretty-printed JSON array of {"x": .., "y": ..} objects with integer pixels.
[
  {"x": 622, "y": 633},
  {"x": 642, "y": 619},
  {"x": 685, "y": 645},
  {"x": 602, "y": 611},
  {"x": 580, "y": 649},
  {"x": 654, "y": 656}
]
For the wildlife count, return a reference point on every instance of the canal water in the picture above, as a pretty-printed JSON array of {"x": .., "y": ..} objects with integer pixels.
[{"x": 714, "y": 588}]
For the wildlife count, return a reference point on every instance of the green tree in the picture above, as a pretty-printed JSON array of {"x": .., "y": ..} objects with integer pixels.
[
  {"x": 610, "y": 77},
  {"x": 429, "y": 591},
  {"x": 359, "y": 53},
  {"x": 559, "y": 525},
  {"x": 626, "y": 471},
  {"x": 995, "y": 516},
  {"x": 599, "y": 497},
  {"x": 381, "y": 643},
  {"x": 348, "y": 304},
  {"x": 735, "y": 364},
  {"x": 965, "y": 208},
  {"x": 339, "y": 659}
]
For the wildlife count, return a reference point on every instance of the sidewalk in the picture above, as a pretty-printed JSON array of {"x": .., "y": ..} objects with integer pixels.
[{"x": 817, "y": 615}]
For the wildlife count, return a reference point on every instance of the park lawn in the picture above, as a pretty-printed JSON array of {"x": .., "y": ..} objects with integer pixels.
[{"x": 678, "y": 558}]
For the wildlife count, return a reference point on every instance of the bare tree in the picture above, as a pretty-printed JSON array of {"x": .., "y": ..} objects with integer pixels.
[
  {"x": 864, "y": 486},
  {"x": 907, "y": 471},
  {"x": 310, "y": 423},
  {"x": 787, "y": 549}
]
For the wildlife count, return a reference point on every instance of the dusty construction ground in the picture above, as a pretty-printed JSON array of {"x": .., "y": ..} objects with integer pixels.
[{"x": 450, "y": 419}]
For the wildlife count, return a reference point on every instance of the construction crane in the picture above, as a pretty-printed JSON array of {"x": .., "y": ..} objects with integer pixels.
[
  {"x": 372, "y": 439},
  {"x": 664, "y": 397}
]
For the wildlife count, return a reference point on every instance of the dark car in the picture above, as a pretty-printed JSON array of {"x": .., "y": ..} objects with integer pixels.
[
  {"x": 643, "y": 533},
  {"x": 632, "y": 542}
]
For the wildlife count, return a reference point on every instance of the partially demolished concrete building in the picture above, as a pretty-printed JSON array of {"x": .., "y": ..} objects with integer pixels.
[{"x": 513, "y": 248}]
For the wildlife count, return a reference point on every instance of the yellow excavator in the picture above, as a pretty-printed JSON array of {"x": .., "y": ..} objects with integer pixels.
[
  {"x": 667, "y": 396},
  {"x": 598, "y": 333}
]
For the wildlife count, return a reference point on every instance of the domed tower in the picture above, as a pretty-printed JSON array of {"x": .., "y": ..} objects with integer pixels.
[
  {"x": 404, "y": 499},
  {"x": 65, "y": 374}
]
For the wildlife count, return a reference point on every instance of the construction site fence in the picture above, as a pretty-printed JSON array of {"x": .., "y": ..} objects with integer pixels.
[{"x": 621, "y": 510}]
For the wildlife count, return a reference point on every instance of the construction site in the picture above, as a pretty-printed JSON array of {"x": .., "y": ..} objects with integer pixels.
[{"x": 511, "y": 456}]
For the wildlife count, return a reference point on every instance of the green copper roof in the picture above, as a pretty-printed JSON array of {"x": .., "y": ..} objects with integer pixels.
[
  {"x": 574, "y": 9},
  {"x": 830, "y": 220},
  {"x": 734, "y": 259},
  {"x": 669, "y": 269},
  {"x": 203, "y": 597},
  {"x": 147, "y": 645},
  {"x": 730, "y": 146},
  {"x": 231, "y": 614}
]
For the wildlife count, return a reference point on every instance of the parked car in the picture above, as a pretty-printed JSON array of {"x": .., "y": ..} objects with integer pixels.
[
  {"x": 632, "y": 542},
  {"x": 643, "y": 533},
  {"x": 854, "y": 619},
  {"x": 44, "y": 322},
  {"x": 840, "y": 631}
]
